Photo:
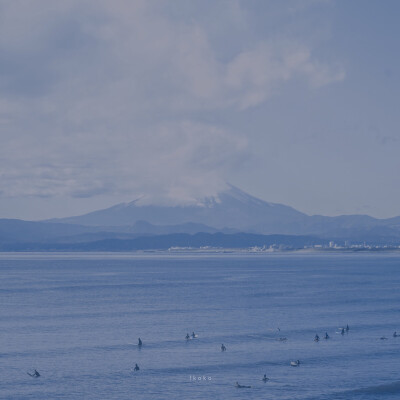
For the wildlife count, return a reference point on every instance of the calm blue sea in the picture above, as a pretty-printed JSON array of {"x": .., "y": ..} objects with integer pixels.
[{"x": 76, "y": 319}]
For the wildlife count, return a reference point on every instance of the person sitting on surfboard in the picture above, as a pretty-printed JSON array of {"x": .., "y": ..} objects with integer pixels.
[
  {"x": 347, "y": 328},
  {"x": 326, "y": 335},
  {"x": 193, "y": 335},
  {"x": 187, "y": 336},
  {"x": 265, "y": 379},
  {"x": 136, "y": 368},
  {"x": 316, "y": 338},
  {"x": 342, "y": 332},
  {"x": 35, "y": 374},
  {"x": 223, "y": 348},
  {"x": 395, "y": 334},
  {"x": 140, "y": 342}
]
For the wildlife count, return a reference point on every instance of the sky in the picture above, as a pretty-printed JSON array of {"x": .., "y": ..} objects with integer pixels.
[{"x": 295, "y": 102}]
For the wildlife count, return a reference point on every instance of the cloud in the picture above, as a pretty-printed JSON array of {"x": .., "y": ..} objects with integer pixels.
[
  {"x": 169, "y": 162},
  {"x": 254, "y": 75},
  {"x": 112, "y": 97}
]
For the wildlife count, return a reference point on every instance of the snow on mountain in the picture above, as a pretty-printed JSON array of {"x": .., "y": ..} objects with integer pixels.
[
  {"x": 231, "y": 208},
  {"x": 236, "y": 210}
]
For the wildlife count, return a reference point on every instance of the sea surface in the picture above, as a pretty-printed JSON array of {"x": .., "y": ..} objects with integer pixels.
[{"x": 76, "y": 318}]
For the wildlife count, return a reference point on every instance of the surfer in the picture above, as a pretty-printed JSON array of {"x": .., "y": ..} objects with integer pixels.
[
  {"x": 223, "y": 348},
  {"x": 395, "y": 334},
  {"x": 242, "y": 386},
  {"x": 140, "y": 343},
  {"x": 265, "y": 379},
  {"x": 35, "y": 374},
  {"x": 193, "y": 335},
  {"x": 136, "y": 368},
  {"x": 347, "y": 328},
  {"x": 342, "y": 332},
  {"x": 316, "y": 339},
  {"x": 326, "y": 335},
  {"x": 187, "y": 336}
]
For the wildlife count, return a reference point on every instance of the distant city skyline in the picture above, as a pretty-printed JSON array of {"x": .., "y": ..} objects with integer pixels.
[{"x": 294, "y": 102}]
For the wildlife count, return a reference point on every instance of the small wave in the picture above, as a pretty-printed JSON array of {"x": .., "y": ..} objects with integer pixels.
[
  {"x": 393, "y": 387},
  {"x": 361, "y": 393}
]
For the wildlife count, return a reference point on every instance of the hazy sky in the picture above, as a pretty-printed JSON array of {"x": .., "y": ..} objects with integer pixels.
[{"x": 296, "y": 102}]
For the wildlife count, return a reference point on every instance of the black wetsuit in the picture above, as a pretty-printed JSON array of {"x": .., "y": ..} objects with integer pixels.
[{"x": 242, "y": 386}]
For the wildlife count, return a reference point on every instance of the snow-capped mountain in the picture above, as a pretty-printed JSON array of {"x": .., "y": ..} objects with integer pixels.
[{"x": 232, "y": 208}]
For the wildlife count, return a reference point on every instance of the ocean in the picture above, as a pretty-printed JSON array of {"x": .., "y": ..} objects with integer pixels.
[{"x": 76, "y": 318}]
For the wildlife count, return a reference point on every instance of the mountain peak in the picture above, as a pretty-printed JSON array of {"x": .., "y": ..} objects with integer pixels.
[
  {"x": 244, "y": 197},
  {"x": 231, "y": 208}
]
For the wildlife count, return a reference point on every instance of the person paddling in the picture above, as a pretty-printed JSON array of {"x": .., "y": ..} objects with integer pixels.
[
  {"x": 242, "y": 386},
  {"x": 35, "y": 374}
]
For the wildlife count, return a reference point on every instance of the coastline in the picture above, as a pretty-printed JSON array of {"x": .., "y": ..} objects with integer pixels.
[{"x": 197, "y": 252}]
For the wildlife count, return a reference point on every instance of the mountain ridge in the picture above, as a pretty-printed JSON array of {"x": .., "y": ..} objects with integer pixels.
[
  {"x": 232, "y": 208},
  {"x": 240, "y": 211},
  {"x": 232, "y": 211}
]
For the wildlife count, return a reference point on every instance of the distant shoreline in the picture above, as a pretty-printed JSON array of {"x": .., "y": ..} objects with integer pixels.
[{"x": 210, "y": 251}]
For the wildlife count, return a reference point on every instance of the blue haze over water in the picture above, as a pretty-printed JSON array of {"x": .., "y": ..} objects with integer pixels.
[{"x": 77, "y": 317}]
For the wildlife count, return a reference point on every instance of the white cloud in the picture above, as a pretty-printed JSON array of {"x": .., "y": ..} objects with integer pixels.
[
  {"x": 254, "y": 75},
  {"x": 101, "y": 96},
  {"x": 175, "y": 161}
]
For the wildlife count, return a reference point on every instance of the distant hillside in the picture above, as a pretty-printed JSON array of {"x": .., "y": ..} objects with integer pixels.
[
  {"x": 17, "y": 231},
  {"x": 164, "y": 242}
]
